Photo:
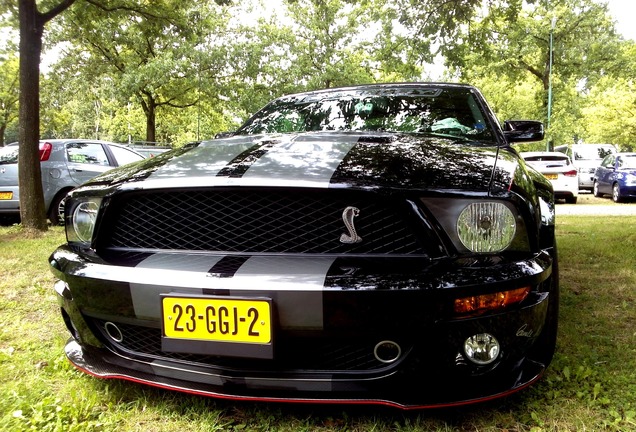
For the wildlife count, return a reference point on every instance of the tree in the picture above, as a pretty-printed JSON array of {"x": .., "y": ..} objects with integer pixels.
[
  {"x": 308, "y": 44},
  {"x": 152, "y": 59},
  {"x": 31, "y": 25},
  {"x": 32, "y": 21},
  {"x": 610, "y": 113},
  {"x": 414, "y": 32},
  {"x": 563, "y": 45}
]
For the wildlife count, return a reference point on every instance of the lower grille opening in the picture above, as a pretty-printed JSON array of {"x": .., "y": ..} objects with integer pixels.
[{"x": 291, "y": 354}]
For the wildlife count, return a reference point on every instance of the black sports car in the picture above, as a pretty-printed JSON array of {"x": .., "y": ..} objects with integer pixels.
[{"x": 379, "y": 244}]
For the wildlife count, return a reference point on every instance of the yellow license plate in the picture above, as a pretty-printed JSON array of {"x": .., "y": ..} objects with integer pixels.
[
  {"x": 217, "y": 319},
  {"x": 6, "y": 195},
  {"x": 551, "y": 176}
]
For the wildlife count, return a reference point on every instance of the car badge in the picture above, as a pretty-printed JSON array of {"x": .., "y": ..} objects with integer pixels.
[{"x": 347, "y": 216}]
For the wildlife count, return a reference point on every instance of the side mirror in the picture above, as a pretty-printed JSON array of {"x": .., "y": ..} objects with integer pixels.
[{"x": 523, "y": 131}]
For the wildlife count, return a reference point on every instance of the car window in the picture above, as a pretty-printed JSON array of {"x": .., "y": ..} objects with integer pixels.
[
  {"x": 453, "y": 112},
  {"x": 628, "y": 161},
  {"x": 124, "y": 156},
  {"x": 86, "y": 153},
  {"x": 547, "y": 160},
  {"x": 559, "y": 159},
  {"x": 608, "y": 161},
  {"x": 9, "y": 155}
]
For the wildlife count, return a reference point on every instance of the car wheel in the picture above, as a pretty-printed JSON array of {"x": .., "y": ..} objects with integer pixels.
[
  {"x": 616, "y": 193},
  {"x": 56, "y": 210},
  {"x": 571, "y": 200},
  {"x": 595, "y": 190}
]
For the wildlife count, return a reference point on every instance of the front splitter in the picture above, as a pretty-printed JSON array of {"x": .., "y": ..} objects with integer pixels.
[{"x": 102, "y": 363}]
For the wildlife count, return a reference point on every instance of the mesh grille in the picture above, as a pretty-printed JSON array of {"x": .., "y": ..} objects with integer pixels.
[
  {"x": 294, "y": 354},
  {"x": 259, "y": 222}
]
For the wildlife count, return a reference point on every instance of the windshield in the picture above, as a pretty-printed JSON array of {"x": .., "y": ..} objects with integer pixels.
[
  {"x": 564, "y": 160},
  {"x": 9, "y": 154},
  {"x": 451, "y": 112}
]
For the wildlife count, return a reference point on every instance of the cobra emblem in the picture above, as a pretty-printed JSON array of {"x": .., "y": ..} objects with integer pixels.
[{"x": 347, "y": 216}]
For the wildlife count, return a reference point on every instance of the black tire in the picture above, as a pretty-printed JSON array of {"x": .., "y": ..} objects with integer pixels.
[
  {"x": 56, "y": 210},
  {"x": 616, "y": 193},
  {"x": 595, "y": 191},
  {"x": 571, "y": 200}
]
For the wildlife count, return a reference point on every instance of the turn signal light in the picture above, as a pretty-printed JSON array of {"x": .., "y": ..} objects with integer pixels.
[{"x": 477, "y": 305}]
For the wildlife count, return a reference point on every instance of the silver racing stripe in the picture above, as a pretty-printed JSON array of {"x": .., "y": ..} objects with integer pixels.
[
  {"x": 181, "y": 268},
  {"x": 205, "y": 160},
  {"x": 295, "y": 284},
  {"x": 308, "y": 159},
  {"x": 278, "y": 160}
]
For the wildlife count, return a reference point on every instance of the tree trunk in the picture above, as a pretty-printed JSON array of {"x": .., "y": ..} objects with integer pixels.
[
  {"x": 32, "y": 211},
  {"x": 150, "y": 110},
  {"x": 151, "y": 125}
]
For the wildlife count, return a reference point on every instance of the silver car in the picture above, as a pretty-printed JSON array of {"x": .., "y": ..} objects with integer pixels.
[{"x": 65, "y": 164}]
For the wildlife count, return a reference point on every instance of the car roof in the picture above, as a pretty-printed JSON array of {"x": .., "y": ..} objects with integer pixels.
[{"x": 381, "y": 86}]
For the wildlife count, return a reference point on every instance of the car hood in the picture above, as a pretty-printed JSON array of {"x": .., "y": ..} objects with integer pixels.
[
  {"x": 631, "y": 171},
  {"x": 333, "y": 160}
]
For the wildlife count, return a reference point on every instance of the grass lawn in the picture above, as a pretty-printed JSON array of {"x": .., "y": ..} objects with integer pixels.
[{"x": 590, "y": 386}]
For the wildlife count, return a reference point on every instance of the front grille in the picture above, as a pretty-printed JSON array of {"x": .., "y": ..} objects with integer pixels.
[
  {"x": 251, "y": 221},
  {"x": 300, "y": 353}
]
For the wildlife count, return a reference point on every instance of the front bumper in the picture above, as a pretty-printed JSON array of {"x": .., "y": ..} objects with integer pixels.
[
  {"x": 628, "y": 191},
  {"x": 361, "y": 302},
  {"x": 396, "y": 392}
]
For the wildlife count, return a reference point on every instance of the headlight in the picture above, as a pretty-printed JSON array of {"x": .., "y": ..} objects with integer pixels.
[
  {"x": 486, "y": 227},
  {"x": 81, "y": 223}
]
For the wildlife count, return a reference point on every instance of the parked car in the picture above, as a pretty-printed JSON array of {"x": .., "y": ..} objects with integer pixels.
[
  {"x": 556, "y": 167},
  {"x": 379, "y": 244},
  {"x": 616, "y": 176},
  {"x": 586, "y": 157},
  {"x": 65, "y": 164}
]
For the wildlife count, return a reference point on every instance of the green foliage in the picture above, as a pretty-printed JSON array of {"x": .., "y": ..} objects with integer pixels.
[
  {"x": 155, "y": 59},
  {"x": 188, "y": 70},
  {"x": 610, "y": 113},
  {"x": 9, "y": 93},
  {"x": 507, "y": 51}
]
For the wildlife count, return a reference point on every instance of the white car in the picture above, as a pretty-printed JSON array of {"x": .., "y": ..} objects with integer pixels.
[
  {"x": 586, "y": 157},
  {"x": 558, "y": 168}
]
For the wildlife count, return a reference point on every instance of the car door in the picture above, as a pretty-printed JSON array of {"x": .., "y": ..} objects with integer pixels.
[
  {"x": 605, "y": 174},
  {"x": 86, "y": 160},
  {"x": 9, "y": 198}
]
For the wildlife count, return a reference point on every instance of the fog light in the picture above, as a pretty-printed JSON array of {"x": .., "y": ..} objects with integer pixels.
[{"x": 481, "y": 348}]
